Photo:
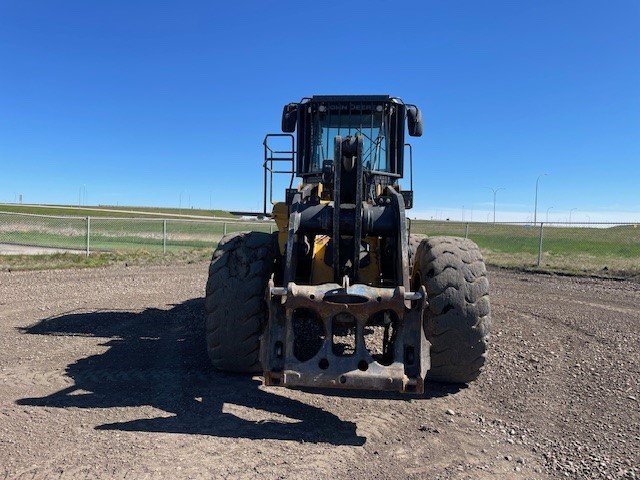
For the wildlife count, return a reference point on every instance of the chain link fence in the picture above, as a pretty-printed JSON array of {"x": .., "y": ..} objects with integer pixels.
[
  {"x": 611, "y": 249},
  {"x": 104, "y": 234},
  {"x": 593, "y": 248}
]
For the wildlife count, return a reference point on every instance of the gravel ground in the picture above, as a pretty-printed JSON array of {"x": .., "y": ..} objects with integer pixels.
[{"x": 103, "y": 373}]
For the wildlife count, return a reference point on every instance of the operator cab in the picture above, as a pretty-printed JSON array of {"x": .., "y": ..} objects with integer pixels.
[{"x": 378, "y": 119}]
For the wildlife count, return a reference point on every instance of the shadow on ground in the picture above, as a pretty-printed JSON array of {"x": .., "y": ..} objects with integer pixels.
[{"x": 158, "y": 358}]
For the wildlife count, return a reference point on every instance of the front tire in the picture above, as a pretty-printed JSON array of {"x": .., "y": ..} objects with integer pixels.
[
  {"x": 236, "y": 310},
  {"x": 458, "y": 318}
]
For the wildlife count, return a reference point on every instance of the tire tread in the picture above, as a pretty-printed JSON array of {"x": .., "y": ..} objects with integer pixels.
[
  {"x": 235, "y": 309},
  {"x": 458, "y": 318}
]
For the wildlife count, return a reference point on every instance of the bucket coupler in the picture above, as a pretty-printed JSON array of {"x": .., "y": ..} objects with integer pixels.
[{"x": 286, "y": 361}]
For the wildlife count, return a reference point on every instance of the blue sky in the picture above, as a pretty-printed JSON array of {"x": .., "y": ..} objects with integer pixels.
[{"x": 141, "y": 101}]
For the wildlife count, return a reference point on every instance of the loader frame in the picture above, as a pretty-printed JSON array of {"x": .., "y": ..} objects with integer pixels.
[{"x": 357, "y": 206}]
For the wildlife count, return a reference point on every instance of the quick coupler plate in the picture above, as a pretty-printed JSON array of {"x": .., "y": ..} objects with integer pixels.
[{"x": 325, "y": 336}]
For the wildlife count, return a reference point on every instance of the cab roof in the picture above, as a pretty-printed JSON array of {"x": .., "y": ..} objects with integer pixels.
[{"x": 346, "y": 98}]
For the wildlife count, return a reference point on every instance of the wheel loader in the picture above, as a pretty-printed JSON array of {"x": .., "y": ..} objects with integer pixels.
[{"x": 342, "y": 295}]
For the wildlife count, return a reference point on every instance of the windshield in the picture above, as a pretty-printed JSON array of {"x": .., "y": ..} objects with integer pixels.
[{"x": 332, "y": 121}]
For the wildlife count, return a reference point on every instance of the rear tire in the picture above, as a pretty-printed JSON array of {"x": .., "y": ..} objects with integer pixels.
[
  {"x": 414, "y": 243},
  {"x": 458, "y": 318},
  {"x": 235, "y": 300}
]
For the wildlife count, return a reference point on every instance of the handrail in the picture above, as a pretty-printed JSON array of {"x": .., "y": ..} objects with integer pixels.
[
  {"x": 268, "y": 164},
  {"x": 410, "y": 165}
]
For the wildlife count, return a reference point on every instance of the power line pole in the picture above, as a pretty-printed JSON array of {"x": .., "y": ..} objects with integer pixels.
[
  {"x": 570, "y": 212},
  {"x": 535, "y": 210},
  {"x": 495, "y": 191}
]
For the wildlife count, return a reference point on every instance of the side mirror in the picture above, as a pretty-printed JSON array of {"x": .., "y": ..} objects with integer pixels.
[
  {"x": 414, "y": 121},
  {"x": 289, "y": 117}
]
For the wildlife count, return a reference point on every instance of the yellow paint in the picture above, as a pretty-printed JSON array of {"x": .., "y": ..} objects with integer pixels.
[
  {"x": 280, "y": 214},
  {"x": 320, "y": 271},
  {"x": 323, "y": 273}
]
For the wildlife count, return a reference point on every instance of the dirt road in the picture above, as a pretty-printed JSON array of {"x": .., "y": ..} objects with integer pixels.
[{"x": 103, "y": 374}]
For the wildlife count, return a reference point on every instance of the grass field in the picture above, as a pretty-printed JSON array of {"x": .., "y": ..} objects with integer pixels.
[
  {"x": 113, "y": 211},
  {"x": 605, "y": 250},
  {"x": 100, "y": 259},
  {"x": 116, "y": 234}
]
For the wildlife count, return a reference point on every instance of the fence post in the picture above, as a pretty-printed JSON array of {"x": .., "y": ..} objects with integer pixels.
[
  {"x": 88, "y": 234},
  {"x": 466, "y": 230},
  {"x": 164, "y": 236},
  {"x": 271, "y": 228},
  {"x": 540, "y": 244},
  {"x": 224, "y": 228}
]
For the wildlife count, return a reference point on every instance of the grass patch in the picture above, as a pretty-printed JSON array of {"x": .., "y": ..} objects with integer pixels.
[
  {"x": 102, "y": 259},
  {"x": 103, "y": 211},
  {"x": 581, "y": 265},
  {"x": 117, "y": 233},
  {"x": 610, "y": 252}
]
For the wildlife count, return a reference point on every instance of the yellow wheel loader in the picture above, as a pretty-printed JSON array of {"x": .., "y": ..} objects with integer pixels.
[{"x": 342, "y": 295}]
